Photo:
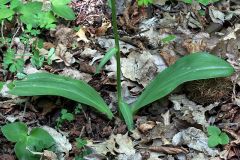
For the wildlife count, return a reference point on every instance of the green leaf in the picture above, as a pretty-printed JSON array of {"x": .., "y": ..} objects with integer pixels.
[
  {"x": 67, "y": 116},
  {"x": 58, "y": 2},
  {"x": 105, "y": 59},
  {"x": 204, "y": 2},
  {"x": 46, "y": 19},
  {"x": 144, "y": 2},
  {"x": 168, "y": 38},
  {"x": 213, "y": 141},
  {"x": 64, "y": 11},
  {"x": 5, "y": 13},
  {"x": 127, "y": 114},
  {"x": 2, "y": 2},
  {"x": 50, "y": 84},
  {"x": 29, "y": 19},
  {"x": 31, "y": 8},
  {"x": 213, "y": 130},
  {"x": 51, "y": 54},
  {"x": 192, "y": 67},
  {"x": 22, "y": 153},
  {"x": 15, "y": 3},
  {"x": 39, "y": 139},
  {"x": 36, "y": 141},
  {"x": 80, "y": 143},
  {"x": 223, "y": 138},
  {"x": 1, "y": 85},
  {"x": 187, "y": 1},
  {"x": 15, "y": 132}
]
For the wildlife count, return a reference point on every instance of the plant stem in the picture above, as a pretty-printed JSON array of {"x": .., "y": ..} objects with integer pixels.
[{"x": 117, "y": 46}]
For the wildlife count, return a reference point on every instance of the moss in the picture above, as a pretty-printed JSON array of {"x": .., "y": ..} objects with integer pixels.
[{"x": 209, "y": 91}]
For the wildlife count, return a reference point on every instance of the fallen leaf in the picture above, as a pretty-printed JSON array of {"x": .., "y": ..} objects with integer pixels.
[
  {"x": 82, "y": 35},
  {"x": 195, "y": 139}
]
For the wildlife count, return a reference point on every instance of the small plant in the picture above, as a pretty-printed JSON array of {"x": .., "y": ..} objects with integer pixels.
[
  {"x": 168, "y": 39},
  {"x": 144, "y": 2},
  {"x": 216, "y": 136},
  {"x": 27, "y": 142},
  {"x": 65, "y": 116},
  {"x": 80, "y": 144},
  {"x": 13, "y": 62},
  {"x": 203, "y": 2},
  {"x": 36, "y": 14},
  {"x": 194, "y": 66}
]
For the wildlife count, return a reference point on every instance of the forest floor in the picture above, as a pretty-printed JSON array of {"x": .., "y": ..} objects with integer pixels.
[{"x": 152, "y": 38}]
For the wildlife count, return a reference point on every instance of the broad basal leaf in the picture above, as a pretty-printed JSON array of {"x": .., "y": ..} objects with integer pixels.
[
  {"x": 127, "y": 114},
  {"x": 64, "y": 11},
  {"x": 60, "y": 2},
  {"x": 50, "y": 84},
  {"x": 192, "y": 67}
]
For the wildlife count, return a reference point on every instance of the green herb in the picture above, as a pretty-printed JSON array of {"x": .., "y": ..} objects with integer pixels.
[
  {"x": 168, "y": 39},
  {"x": 65, "y": 116},
  {"x": 195, "y": 66},
  {"x": 203, "y": 2},
  {"x": 216, "y": 137},
  {"x": 80, "y": 143},
  {"x": 27, "y": 142},
  {"x": 144, "y": 2},
  {"x": 13, "y": 62}
]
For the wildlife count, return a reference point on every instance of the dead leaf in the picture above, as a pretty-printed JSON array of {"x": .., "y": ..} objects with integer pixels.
[
  {"x": 145, "y": 127},
  {"x": 64, "y": 35},
  {"x": 144, "y": 67},
  {"x": 103, "y": 29},
  {"x": 124, "y": 143},
  {"x": 49, "y": 155},
  {"x": 195, "y": 139},
  {"x": 216, "y": 15},
  {"x": 76, "y": 74},
  {"x": 62, "y": 54},
  {"x": 82, "y": 35},
  {"x": 190, "y": 111}
]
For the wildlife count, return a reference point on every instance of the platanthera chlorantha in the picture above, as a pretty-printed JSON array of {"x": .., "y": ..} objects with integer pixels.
[{"x": 194, "y": 66}]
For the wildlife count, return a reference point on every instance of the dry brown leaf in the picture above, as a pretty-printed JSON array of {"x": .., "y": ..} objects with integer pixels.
[
  {"x": 103, "y": 29},
  {"x": 145, "y": 127},
  {"x": 82, "y": 35},
  {"x": 62, "y": 54}
]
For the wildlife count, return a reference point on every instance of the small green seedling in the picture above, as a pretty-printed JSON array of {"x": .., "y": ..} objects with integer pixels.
[
  {"x": 203, "y": 2},
  {"x": 80, "y": 144},
  {"x": 168, "y": 39},
  {"x": 65, "y": 116},
  {"x": 144, "y": 2},
  {"x": 27, "y": 142},
  {"x": 13, "y": 62},
  {"x": 216, "y": 137}
]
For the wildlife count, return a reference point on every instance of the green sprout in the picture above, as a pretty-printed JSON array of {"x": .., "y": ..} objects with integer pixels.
[{"x": 216, "y": 136}]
